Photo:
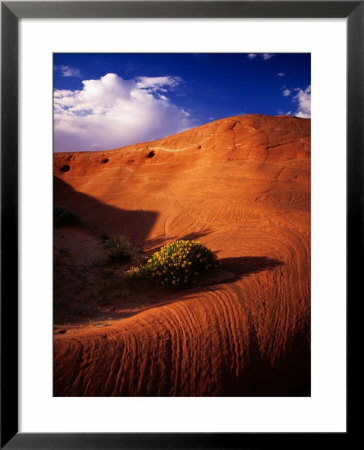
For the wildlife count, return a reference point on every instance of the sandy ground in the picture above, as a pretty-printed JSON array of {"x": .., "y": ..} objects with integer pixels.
[{"x": 241, "y": 186}]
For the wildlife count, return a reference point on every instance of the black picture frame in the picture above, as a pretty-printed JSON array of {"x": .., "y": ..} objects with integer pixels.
[{"x": 11, "y": 12}]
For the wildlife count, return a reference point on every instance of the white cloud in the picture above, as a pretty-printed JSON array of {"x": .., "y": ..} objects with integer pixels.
[
  {"x": 303, "y": 98},
  {"x": 286, "y": 92},
  {"x": 280, "y": 74},
  {"x": 112, "y": 112},
  {"x": 264, "y": 56},
  {"x": 67, "y": 71},
  {"x": 158, "y": 83}
]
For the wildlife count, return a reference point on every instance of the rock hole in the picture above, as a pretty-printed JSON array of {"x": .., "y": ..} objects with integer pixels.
[
  {"x": 150, "y": 154},
  {"x": 65, "y": 168},
  {"x": 105, "y": 161}
]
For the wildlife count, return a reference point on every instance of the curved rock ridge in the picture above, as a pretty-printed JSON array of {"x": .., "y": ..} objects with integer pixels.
[{"x": 241, "y": 186}]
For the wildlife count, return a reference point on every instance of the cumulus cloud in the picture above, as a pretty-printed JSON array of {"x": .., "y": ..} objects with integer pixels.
[
  {"x": 280, "y": 74},
  {"x": 266, "y": 56},
  {"x": 67, "y": 71},
  {"x": 286, "y": 92},
  {"x": 112, "y": 112},
  {"x": 251, "y": 55},
  {"x": 303, "y": 98}
]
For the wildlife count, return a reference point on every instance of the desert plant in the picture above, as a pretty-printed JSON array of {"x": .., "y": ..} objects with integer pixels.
[
  {"x": 138, "y": 261},
  {"x": 63, "y": 216},
  {"x": 120, "y": 249},
  {"x": 181, "y": 262},
  {"x": 133, "y": 276}
]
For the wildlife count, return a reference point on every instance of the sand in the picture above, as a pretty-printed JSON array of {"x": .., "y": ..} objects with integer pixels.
[{"x": 239, "y": 185}]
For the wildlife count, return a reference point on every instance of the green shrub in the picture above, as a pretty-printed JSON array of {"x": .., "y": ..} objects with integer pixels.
[
  {"x": 63, "y": 216},
  {"x": 180, "y": 263},
  {"x": 120, "y": 249}
]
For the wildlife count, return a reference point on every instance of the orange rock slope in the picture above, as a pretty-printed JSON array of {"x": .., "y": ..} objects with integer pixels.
[{"x": 241, "y": 186}]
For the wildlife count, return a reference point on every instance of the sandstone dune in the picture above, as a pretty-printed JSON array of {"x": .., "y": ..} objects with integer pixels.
[{"x": 241, "y": 186}]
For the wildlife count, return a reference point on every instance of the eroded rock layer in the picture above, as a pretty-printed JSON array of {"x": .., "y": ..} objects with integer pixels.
[{"x": 239, "y": 185}]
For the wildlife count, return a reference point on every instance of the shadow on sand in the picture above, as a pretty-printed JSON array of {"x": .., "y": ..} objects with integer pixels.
[
  {"x": 102, "y": 218},
  {"x": 245, "y": 265},
  {"x": 288, "y": 376}
]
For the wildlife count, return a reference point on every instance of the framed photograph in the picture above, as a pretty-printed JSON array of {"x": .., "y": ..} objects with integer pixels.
[{"x": 181, "y": 220}]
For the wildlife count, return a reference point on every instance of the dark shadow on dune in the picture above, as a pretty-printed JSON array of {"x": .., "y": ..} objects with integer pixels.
[
  {"x": 102, "y": 218},
  {"x": 288, "y": 376},
  {"x": 246, "y": 265}
]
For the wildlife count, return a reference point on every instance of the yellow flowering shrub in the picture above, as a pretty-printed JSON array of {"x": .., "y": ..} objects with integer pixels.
[{"x": 180, "y": 263}]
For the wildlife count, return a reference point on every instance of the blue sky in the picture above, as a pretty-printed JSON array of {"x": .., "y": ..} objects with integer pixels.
[{"x": 104, "y": 101}]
